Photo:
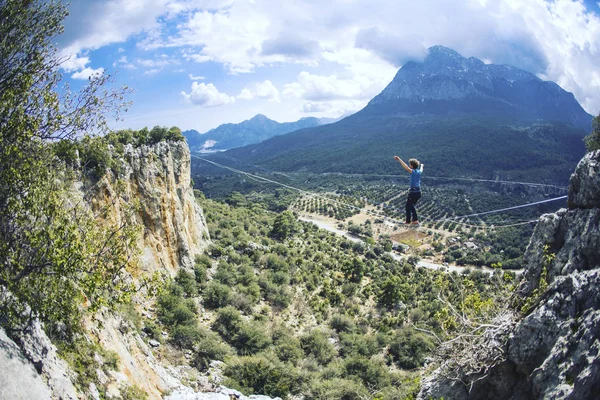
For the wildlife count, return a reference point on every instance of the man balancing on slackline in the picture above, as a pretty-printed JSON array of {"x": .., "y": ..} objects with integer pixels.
[{"x": 414, "y": 193}]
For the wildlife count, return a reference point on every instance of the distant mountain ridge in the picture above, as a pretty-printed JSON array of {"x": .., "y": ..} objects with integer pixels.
[
  {"x": 458, "y": 115},
  {"x": 254, "y": 130},
  {"x": 447, "y": 82}
]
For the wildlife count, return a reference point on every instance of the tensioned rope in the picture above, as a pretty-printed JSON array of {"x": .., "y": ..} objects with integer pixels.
[
  {"x": 453, "y": 219},
  {"x": 533, "y": 184}
]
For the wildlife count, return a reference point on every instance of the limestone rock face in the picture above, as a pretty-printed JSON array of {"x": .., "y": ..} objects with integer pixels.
[
  {"x": 34, "y": 369},
  {"x": 584, "y": 191},
  {"x": 157, "y": 178},
  {"x": 554, "y": 351},
  {"x": 18, "y": 377}
]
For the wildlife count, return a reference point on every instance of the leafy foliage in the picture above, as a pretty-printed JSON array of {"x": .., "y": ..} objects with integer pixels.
[
  {"x": 56, "y": 254},
  {"x": 592, "y": 141}
]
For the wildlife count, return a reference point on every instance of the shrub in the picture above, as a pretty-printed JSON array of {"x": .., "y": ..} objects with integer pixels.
[
  {"x": 315, "y": 344},
  {"x": 246, "y": 337},
  {"x": 369, "y": 371},
  {"x": 185, "y": 336},
  {"x": 409, "y": 348},
  {"x": 187, "y": 283},
  {"x": 174, "y": 310},
  {"x": 342, "y": 323},
  {"x": 209, "y": 347},
  {"x": 337, "y": 388},
  {"x": 217, "y": 295},
  {"x": 354, "y": 343},
  {"x": 257, "y": 374}
]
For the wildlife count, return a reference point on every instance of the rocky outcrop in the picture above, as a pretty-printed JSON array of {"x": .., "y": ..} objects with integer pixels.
[
  {"x": 33, "y": 369},
  {"x": 18, "y": 377},
  {"x": 553, "y": 352},
  {"x": 157, "y": 180},
  {"x": 153, "y": 186}
]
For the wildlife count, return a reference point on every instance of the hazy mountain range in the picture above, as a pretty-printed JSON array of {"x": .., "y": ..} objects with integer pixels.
[
  {"x": 460, "y": 116},
  {"x": 254, "y": 130}
]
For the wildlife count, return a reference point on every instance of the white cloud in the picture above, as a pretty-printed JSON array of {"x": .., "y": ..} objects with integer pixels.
[
  {"x": 207, "y": 95},
  {"x": 261, "y": 90},
  {"x": 196, "y": 78},
  {"x": 246, "y": 94},
  {"x": 73, "y": 63},
  {"x": 318, "y": 88},
  {"x": 87, "y": 73},
  {"x": 333, "y": 108},
  {"x": 152, "y": 72},
  {"x": 92, "y": 24},
  {"x": 350, "y": 49},
  {"x": 124, "y": 63},
  {"x": 316, "y": 107}
]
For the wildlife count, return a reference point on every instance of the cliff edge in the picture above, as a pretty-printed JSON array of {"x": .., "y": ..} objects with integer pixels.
[{"x": 553, "y": 351}]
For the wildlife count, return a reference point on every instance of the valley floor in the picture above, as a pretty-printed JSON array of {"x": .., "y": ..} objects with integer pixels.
[{"x": 406, "y": 234}]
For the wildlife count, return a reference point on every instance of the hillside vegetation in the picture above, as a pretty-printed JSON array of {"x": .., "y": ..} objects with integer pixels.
[{"x": 292, "y": 309}]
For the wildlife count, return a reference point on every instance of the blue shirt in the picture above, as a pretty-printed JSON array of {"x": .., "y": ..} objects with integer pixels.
[{"x": 415, "y": 178}]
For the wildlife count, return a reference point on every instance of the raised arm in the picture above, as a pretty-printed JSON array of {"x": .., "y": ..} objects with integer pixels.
[
  {"x": 421, "y": 167},
  {"x": 406, "y": 167}
]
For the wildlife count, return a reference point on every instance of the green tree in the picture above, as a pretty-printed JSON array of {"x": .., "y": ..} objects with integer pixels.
[
  {"x": 54, "y": 253},
  {"x": 284, "y": 226},
  {"x": 592, "y": 141}
]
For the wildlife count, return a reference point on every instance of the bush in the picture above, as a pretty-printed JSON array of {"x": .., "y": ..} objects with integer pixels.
[
  {"x": 342, "y": 323},
  {"x": 217, "y": 295},
  {"x": 315, "y": 344},
  {"x": 174, "y": 310},
  {"x": 337, "y": 388},
  {"x": 246, "y": 337},
  {"x": 409, "y": 348},
  {"x": 354, "y": 343},
  {"x": 592, "y": 141},
  {"x": 370, "y": 372},
  {"x": 187, "y": 283},
  {"x": 185, "y": 336},
  {"x": 209, "y": 347},
  {"x": 257, "y": 374}
]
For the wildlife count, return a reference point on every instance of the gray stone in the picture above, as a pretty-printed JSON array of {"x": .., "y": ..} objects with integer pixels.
[
  {"x": 554, "y": 351},
  {"x": 584, "y": 187},
  {"x": 38, "y": 348},
  {"x": 19, "y": 379},
  {"x": 154, "y": 343}
]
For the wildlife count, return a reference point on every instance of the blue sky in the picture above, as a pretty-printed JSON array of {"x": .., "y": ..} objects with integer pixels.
[{"x": 199, "y": 63}]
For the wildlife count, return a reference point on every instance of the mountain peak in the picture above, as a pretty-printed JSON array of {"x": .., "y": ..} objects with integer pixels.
[
  {"x": 260, "y": 117},
  {"x": 438, "y": 50},
  {"x": 448, "y": 83}
]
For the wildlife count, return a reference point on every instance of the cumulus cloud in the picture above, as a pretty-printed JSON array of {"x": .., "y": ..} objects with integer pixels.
[
  {"x": 290, "y": 46},
  {"x": 73, "y": 63},
  {"x": 87, "y": 73},
  {"x": 261, "y": 90},
  {"x": 92, "y": 24},
  {"x": 316, "y": 107},
  {"x": 334, "y": 108},
  {"x": 359, "y": 43},
  {"x": 317, "y": 87},
  {"x": 207, "y": 95},
  {"x": 391, "y": 47}
]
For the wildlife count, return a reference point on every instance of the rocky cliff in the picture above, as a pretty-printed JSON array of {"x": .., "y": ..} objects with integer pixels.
[
  {"x": 154, "y": 184},
  {"x": 553, "y": 350},
  {"x": 157, "y": 179}
]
